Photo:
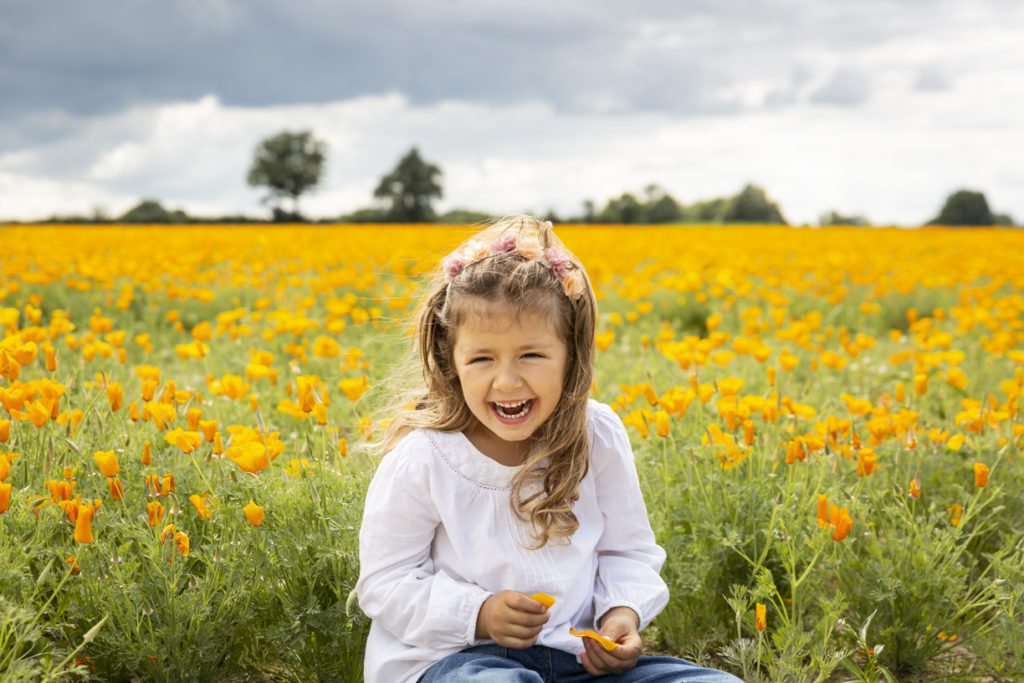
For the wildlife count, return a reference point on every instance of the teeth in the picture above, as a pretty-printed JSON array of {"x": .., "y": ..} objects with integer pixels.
[{"x": 505, "y": 408}]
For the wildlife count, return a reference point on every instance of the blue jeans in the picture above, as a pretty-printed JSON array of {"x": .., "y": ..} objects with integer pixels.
[{"x": 539, "y": 664}]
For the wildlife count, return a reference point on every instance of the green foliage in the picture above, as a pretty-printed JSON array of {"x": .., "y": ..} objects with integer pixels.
[
  {"x": 964, "y": 207},
  {"x": 30, "y": 645},
  {"x": 288, "y": 164},
  {"x": 657, "y": 207},
  {"x": 410, "y": 188},
  {"x": 708, "y": 210},
  {"x": 938, "y": 592},
  {"x": 365, "y": 215},
  {"x": 150, "y": 211},
  {"x": 752, "y": 205},
  {"x": 835, "y": 218},
  {"x": 623, "y": 209},
  {"x": 466, "y": 217}
]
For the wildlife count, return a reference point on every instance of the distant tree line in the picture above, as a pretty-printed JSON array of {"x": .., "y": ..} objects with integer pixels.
[
  {"x": 750, "y": 205},
  {"x": 290, "y": 164}
]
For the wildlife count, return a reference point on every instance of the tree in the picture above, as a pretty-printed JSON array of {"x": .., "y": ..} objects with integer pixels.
[
  {"x": 150, "y": 211},
  {"x": 411, "y": 187},
  {"x": 624, "y": 209},
  {"x": 589, "y": 211},
  {"x": 288, "y": 164},
  {"x": 964, "y": 207},
  {"x": 664, "y": 209},
  {"x": 708, "y": 210},
  {"x": 835, "y": 218},
  {"x": 752, "y": 205}
]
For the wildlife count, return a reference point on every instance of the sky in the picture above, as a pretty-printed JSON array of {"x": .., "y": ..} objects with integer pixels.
[{"x": 880, "y": 108}]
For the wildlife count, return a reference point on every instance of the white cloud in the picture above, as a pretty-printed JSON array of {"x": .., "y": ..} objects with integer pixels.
[{"x": 894, "y": 157}]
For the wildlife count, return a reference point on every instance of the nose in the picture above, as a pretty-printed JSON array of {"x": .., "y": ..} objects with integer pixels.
[{"x": 507, "y": 378}]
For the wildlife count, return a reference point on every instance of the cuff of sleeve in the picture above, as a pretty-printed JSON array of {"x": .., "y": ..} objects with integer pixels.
[{"x": 474, "y": 615}]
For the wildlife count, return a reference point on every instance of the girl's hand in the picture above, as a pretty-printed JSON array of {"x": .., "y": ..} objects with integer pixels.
[
  {"x": 511, "y": 619},
  {"x": 620, "y": 625}
]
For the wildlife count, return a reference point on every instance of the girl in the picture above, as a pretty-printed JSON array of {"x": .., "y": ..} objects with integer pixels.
[{"x": 505, "y": 485}]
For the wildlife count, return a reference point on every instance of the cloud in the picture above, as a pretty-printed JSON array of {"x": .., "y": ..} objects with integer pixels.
[
  {"x": 868, "y": 107},
  {"x": 847, "y": 87},
  {"x": 578, "y": 55},
  {"x": 932, "y": 78},
  {"x": 876, "y": 160}
]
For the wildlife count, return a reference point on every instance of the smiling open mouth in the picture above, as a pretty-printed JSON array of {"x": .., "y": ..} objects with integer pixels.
[{"x": 512, "y": 410}]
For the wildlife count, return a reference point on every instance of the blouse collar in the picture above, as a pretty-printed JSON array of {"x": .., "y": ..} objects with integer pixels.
[{"x": 468, "y": 462}]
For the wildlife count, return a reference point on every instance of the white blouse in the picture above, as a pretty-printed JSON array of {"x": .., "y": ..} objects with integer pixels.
[{"x": 439, "y": 537}]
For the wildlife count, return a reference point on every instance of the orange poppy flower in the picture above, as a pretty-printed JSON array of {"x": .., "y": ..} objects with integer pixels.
[
  {"x": 155, "y": 510},
  {"x": 253, "y": 513},
  {"x": 251, "y": 456},
  {"x": 188, "y": 442},
  {"x": 107, "y": 461},
  {"x": 980, "y": 474}
]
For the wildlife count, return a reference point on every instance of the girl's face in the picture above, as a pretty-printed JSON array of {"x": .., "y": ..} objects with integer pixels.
[{"x": 511, "y": 370}]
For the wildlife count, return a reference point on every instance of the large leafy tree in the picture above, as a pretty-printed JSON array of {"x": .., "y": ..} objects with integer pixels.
[
  {"x": 410, "y": 188},
  {"x": 151, "y": 211},
  {"x": 965, "y": 207},
  {"x": 752, "y": 205},
  {"x": 288, "y": 164}
]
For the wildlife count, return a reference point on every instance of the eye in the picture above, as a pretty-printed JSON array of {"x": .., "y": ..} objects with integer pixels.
[
  {"x": 478, "y": 359},
  {"x": 533, "y": 355}
]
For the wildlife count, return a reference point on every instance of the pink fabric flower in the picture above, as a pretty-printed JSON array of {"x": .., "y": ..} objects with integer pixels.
[
  {"x": 504, "y": 243},
  {"x": 453, "y": 264},
  {"x": 558, "y": 261}
]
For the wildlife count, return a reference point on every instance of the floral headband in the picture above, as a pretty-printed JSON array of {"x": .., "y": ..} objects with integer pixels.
[{"x": 526, "y": 245}]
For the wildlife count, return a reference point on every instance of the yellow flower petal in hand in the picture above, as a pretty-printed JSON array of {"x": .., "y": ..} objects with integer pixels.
[
  {"x": 544, "y": 599},
  {"x": 605, "y": 643}
]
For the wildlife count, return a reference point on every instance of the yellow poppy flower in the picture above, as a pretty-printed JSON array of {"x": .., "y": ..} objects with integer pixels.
[
  {"x": 253, "y": 513},
  {"x": 188, "y": 442},
  {"x": 107, "y": 462}
]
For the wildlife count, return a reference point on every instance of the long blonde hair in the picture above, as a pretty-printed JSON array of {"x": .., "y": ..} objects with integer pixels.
[{"x": 548, "y": 483}]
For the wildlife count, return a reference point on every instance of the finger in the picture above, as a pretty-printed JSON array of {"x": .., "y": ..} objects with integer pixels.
[
  {"x": 524, "y": 603},
  {"x": 624, "y": 657},
  {"x": 528, "y": 619},
  {"x": 519, "y": 632},
  {"x": 599, "y": 660},
  {"x": 588, "y": 665},
  {"x": 624, "y": 652}
]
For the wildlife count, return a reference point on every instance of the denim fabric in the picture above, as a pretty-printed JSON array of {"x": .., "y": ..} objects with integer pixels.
[{"x": 539, "y": 664}]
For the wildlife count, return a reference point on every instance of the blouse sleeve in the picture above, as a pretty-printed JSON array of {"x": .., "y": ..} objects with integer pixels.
[
  {"x": 398, "y": 587},
  {"x": 628, "y": 557}
]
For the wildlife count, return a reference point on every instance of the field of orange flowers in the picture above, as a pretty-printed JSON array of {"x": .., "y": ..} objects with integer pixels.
[{"x": 827, "y": 424}]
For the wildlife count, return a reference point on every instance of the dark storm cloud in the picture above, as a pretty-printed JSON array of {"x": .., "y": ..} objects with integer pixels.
[{"x": 584, "y": 55}]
